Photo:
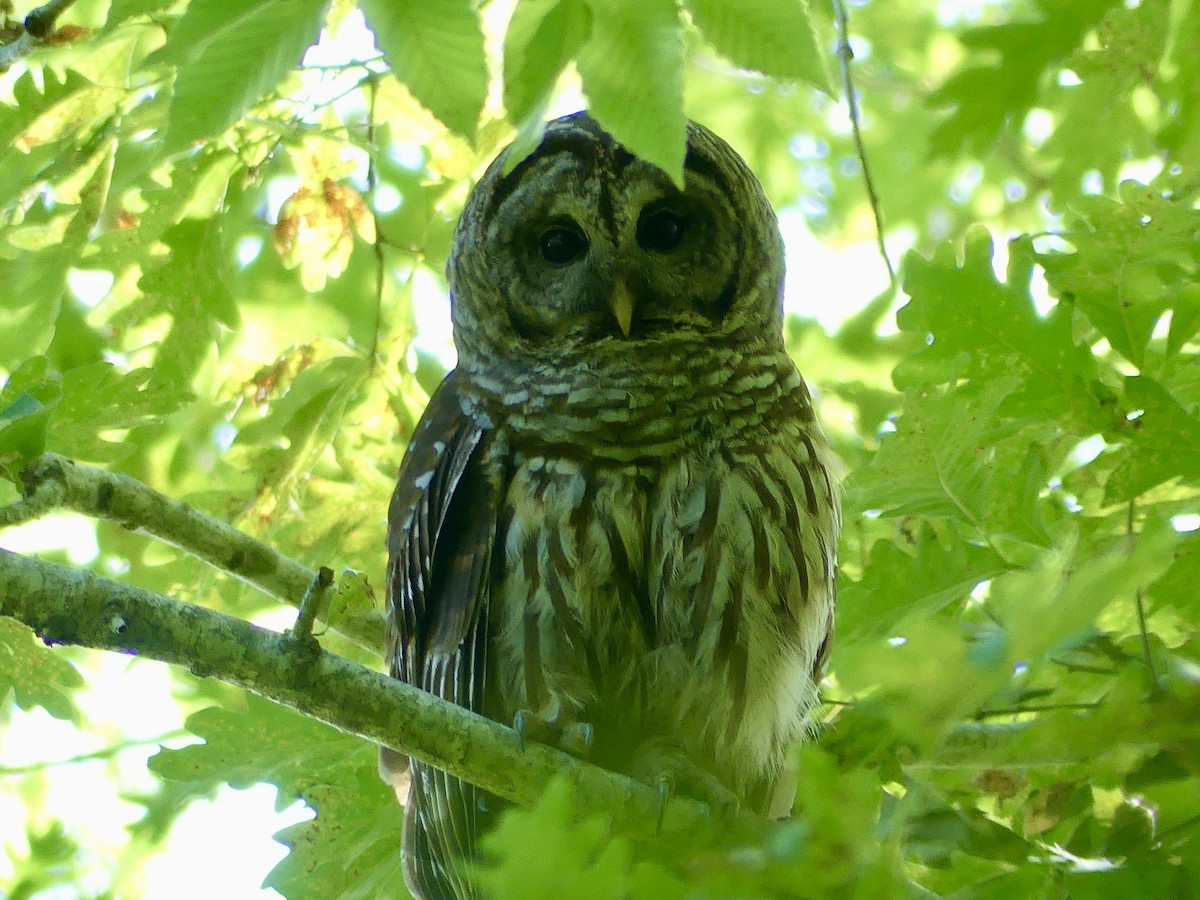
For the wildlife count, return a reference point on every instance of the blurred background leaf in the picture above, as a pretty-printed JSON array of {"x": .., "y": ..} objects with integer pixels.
[{"x": 223, "y": 228}]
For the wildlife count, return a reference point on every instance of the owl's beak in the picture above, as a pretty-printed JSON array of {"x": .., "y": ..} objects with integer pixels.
[{"x": 621, "y": 303}]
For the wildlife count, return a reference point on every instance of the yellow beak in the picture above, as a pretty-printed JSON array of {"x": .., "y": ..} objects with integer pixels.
[{"x": 622, "y": 306}]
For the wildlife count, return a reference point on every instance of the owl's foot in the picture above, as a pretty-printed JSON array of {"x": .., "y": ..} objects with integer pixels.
[
  {"x": 556, "y": 725},
  {"x": 667, "y": 769}
]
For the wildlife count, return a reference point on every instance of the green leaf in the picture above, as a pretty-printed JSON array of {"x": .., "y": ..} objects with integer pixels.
[
  {"x": 36, "y": 675},
  {"x": 938, "y": 461},
  {"x": 632, "y": 68},
  {"x": 189, "y": 284},
  {"x": 99, "y": 398},
  {"x": 27, "y": 405},
  {"x": 35, "y": 282},
  {"x": 436, "y": 48},
  {"x": 1132, "y": 259},
  {"x": 121, "y": 10},
  {"x": 1132, "y": 832},
  {"x": 839, "y": 809},
  {"x": 775, "y": 37},
  {"x": 353, "y": 598},
  {"x": 1148, "y": 880},
  {"x": 55, "y": 864},
  {"x": 228, "y": 54},
  {"x": 925, "y": 678},
  {"x": 987, "y": 96},
  {"x": 1057, "y": 603},
  {"x": 1099, "y": 127},
  {"x": 939, "y": 568},
  {"x": 1163, "y": 442},
  {"x": 1185, "y": 323},
  {"x": 543, "y": 36},
  {"x": 351, "y": 848},
  {"x": 40, "y": 99},
  {"x": 936, "y": 834},
  {"x": 23, "y": 428},
  {"x": 993, "y": 329},
  {"x": 24, "y": 405},
  {"x": 582, "y": 859},
  {"x": 1178, "y": 584},
  {"x": 1180, "y": 133}
]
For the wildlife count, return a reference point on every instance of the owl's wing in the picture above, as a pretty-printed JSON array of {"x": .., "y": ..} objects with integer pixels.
[{"x": 441, "y": 532}]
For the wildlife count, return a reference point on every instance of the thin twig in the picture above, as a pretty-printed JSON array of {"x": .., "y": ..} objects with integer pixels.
[
  {"x": 1032, "y": 708},
  {"x": 1175, "y": 829},
  {"x": 845, "y": 54},
  {"x": 311, "y": 603},
  {"x": 1140, "y": 605},
  {"x": 1083, "y": 667},
  {"x": 377, "y": 244},
  {"x": 342, "y": 67}
]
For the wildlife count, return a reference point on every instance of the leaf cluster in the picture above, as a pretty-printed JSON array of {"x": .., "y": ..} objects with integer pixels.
[{"x": 222, "y": 232}]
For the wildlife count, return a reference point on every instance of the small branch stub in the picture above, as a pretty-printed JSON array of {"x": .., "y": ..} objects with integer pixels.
[{"x": 312, "y": 601}]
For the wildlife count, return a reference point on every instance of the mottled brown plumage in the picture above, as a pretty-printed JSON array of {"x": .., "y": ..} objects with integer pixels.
[{"x": 617, "y": 509}]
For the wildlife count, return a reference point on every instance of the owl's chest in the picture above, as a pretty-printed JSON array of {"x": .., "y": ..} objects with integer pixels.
[
  {"x": 707, "y": 574},
  {"x": 574, "y": 586}
]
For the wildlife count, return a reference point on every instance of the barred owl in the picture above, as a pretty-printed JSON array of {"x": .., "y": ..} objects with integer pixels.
[{"x": 615, "y": 522}]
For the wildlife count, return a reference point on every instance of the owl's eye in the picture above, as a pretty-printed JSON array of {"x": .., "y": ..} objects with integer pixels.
[
  {"x": 660, "y": 229},
  {"x": 562, "y": 245}
]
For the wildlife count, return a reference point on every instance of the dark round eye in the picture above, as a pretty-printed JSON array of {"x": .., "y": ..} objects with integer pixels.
[
  {"x": 661, "y": 229},
  {"x": 562, "y": 245}
]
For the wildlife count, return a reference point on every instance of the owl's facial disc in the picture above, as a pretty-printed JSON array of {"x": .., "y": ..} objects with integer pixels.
[{"x": 589, "y": 242}]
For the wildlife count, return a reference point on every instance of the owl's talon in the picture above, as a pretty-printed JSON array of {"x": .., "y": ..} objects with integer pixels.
[
  {"x": 553, "y": 727},
  {"x": 668, "y": 769},
  {"x": 518, "y": 726},
  {"x": 528, "y": 724},
  {"x": 576, "y": 739},
  {"x": 664, "y": 786}
]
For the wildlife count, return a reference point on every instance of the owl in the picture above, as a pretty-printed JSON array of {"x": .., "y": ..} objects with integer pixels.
[{"x": 615, "y": 525}]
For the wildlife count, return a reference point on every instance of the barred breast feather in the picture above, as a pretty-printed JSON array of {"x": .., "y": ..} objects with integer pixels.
[{"x": 678, "y": 581}]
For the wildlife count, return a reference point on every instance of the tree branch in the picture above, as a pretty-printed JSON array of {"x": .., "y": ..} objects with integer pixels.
[
  {"x": 54, "y": 482},
  {"x": 38, "y": 26},
  {"x": 69, "y": 606}
]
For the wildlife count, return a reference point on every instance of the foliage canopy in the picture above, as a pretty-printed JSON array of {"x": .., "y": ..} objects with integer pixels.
[{"x": 222, "y": 231}]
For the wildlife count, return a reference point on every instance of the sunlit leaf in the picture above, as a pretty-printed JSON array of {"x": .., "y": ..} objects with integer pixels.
[
  {"x": 1164, "y": 442},
  {"x": 436, "y": 48},
  {"x": 973, "y": 320},
  {"x": 350, "y": 848},
  {"x": 632, "y": 68},
  {"x": 1132, "y": 259},
  {"x": 774, "y": 37},
  {"x": 543, "y": 36},
  {"x": 990, "y": 94},
  {"x": 36, "y": 676},
  {"x": 228, "y": 54}
]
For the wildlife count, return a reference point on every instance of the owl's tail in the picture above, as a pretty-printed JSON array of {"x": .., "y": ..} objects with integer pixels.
[{"x": 442, "y": 822}]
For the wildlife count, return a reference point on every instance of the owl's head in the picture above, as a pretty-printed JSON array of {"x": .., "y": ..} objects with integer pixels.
[{"x": 583, "y": 243}]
